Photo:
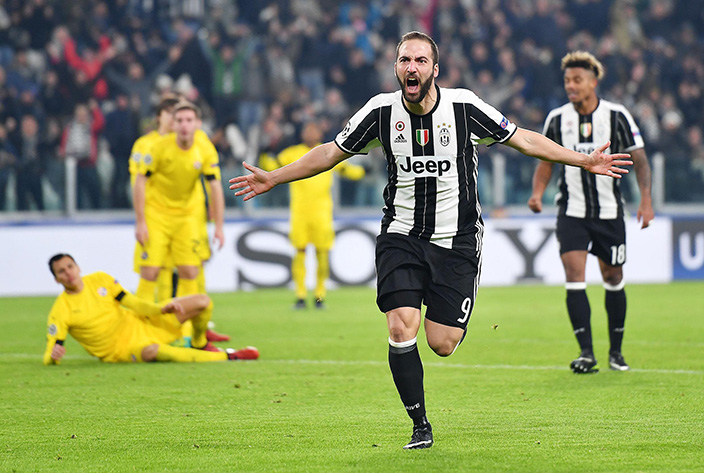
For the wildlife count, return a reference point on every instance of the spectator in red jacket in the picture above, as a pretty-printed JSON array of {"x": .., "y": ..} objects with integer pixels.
[{"x": 90, "y": 62}]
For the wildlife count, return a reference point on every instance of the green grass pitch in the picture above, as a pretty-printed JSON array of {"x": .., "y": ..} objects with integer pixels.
[{"x": 321, "y": 398}]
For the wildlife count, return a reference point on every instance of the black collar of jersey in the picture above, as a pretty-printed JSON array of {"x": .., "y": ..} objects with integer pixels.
[
  {"x": 598, "y": 102},
  {"x": 435, "y": 107}
]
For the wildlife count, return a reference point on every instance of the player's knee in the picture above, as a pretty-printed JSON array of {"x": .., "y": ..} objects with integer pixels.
[
  {"x": 149, "y": 273},
  {"x": 443, "y": 345},
  {"x": 202, "y": 301},
  {"x": 398, "y": 333},
  {"x": 397, "y": 329},
  {"x": 613, "y": 278},
  {"x": 400, "y": 329},
  {"x": 149, "y": 352},
  {"x": 188, "y": 272},
  {"x": 444, "y": 348}
]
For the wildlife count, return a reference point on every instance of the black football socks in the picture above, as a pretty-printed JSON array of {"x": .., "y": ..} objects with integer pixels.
[
  {"x": 580, "y": 315},
  {"x": 407, "y": 371},
  {"x": 615, "y": 302}
]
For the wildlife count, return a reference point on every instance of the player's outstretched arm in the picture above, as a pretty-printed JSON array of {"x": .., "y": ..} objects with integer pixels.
[
  {"x": 319, "y": 159},
  {"x": 597, "y": 162}
]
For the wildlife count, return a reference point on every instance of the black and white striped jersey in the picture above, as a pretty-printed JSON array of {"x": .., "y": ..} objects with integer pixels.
[
  {"x": 582, "y": 194},
  {"x": 431, "y": 192}
]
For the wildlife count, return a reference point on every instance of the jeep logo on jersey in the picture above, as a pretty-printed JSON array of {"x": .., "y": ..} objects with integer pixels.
[
  {"x": 424, "y": 166},
  {"x": 585, "y": 148},
  {"x": 422, "y": 136}
]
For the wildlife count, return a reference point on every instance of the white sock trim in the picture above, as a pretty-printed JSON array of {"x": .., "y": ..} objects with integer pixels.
[
  {"x": 575, "y": 286},
  {"x": 406, "y": 344},
  {"x": 616, "y": 287}
]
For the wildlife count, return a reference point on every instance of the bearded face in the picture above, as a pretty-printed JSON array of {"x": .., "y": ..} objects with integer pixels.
[
  {"x": 414, "y": 88},
  {"x": 414, "y": 70}
]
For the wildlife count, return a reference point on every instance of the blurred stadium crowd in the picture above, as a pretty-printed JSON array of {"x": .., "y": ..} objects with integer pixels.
[{"x": 81, "y": 78}]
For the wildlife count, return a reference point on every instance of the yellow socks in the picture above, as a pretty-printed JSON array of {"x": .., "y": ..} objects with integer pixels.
[
  {"x": 146, "y": 290},
  {"x": 165, "y": 284},
  {"x": 200, "y": 326},
  {"x": 186, "y": 287},
  {"x": 188, "y": 355},
  {"x": 323, "y": 273},
  {"x": 298, "y": 272},
  {"x": 201, "y": 281}
]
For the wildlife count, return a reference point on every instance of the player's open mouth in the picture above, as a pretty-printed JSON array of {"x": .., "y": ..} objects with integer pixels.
[{"x": 412, "y": 85}]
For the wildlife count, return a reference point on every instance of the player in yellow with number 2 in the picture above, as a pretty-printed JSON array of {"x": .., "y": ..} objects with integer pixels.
[
  {"x": 142, "y": 149},
  {"x": 168, "y": 204}
]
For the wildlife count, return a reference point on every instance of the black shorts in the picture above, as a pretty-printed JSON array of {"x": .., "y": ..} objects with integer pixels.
[
  {"x": 606, "y": 239},
  {"x": 411, "y": 272}
]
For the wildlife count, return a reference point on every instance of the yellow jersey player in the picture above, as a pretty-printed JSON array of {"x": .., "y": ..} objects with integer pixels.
[
  {"x": 116, "y": 326},
  {"x": 311, "y": 213},
  {"x": 142, "y": 148},
  {"x": 168, "y": 202}
]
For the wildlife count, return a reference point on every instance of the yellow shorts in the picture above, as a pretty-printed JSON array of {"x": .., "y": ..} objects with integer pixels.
[
  {"x": 140, "y": 333},
  {"x": 175, "y": 235},
  {"x": 204, "y": 248},
  {"x": 315, "y": 229},
  {"x": 140, "y": 255}
]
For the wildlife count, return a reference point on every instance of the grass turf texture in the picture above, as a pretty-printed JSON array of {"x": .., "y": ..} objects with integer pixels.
[{"x": 321, "y": 397}]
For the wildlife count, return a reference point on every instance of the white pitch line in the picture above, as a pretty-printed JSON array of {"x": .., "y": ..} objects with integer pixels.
[
  {"x": 477, "y": 366},
  {"x": 384, "y": 363}
]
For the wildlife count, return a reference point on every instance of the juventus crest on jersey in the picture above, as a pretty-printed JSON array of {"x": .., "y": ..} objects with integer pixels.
[
  {"x": 582, "y": 194},
  {"x": 431, "y": 192}
]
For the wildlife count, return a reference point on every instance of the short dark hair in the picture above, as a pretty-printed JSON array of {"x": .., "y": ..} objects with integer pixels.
[
  {"x": 423, "y": 37},
  {"x": 56, "y": 258},
  {"x": 166, "y": 104}
]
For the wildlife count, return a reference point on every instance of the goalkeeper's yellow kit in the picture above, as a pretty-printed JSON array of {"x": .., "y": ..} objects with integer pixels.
[{"x": 311, "y": 215}]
